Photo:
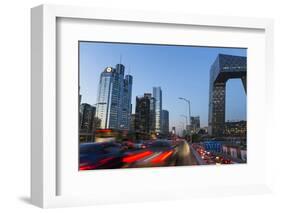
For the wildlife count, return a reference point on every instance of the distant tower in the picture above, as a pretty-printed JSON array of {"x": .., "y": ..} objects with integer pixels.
[
  {"x": 173, "y": 130},
  {"x": 157, "y": 95},
  {"x": 195, "y": 123},
  {"x": 126, "y": 102},
  {"x": 165, "y": 122},
  {"x": 142, "y": 115}
]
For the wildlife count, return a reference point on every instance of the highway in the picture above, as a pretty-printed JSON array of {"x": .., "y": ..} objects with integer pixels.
[
  {"x": 185, "y": 156},
  {"x": 161, "y": 153}
]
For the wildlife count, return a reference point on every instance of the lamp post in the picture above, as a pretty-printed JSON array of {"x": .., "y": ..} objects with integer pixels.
[{"x": 189, "y": 114}]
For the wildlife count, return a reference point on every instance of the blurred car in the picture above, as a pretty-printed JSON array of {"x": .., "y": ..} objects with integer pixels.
[
  {"x": 148, "y": 143},
  {"x": 102, "y": 155},
  {"x": 140, "y": 144},
  {"x": 158, "y": 153},
  {"x": 161, "y": 145},
  {"x": 128, "y": 145}
]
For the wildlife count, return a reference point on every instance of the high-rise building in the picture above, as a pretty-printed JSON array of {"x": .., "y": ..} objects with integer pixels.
[
  {"x": 88, "y": 123},
  {"x": 80, "y": 96},
  {"x": 132, "y": 122},
  {"x": 157, "y": 95},
  {"x": 152, "y": 115},
  {"x": 87, "y": 114},
  {"x": 173, "y": 130},
  {"x": 225, "y": 67},
  {"x": 126, "y": 102},
  {"x": 165, "y": 122},
  {"x": 152, "y": 112},
  {"x": 114, "y": 98},
  {"x": 195, "y": 123},
  {"x": 142, "y": 115}
]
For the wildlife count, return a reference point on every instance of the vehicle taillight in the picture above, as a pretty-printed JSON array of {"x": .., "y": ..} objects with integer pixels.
[{"x": 162, "y": 156}]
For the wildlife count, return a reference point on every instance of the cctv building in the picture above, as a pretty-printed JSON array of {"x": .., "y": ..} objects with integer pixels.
[
  {"x": 225, "y": 67},
  {"x": 114, "y": 98}
]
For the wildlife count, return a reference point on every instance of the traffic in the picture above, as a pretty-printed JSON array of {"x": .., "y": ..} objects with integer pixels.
[
  {"x": 112, "y": 155},
  {"x": 114, "y": 149}
]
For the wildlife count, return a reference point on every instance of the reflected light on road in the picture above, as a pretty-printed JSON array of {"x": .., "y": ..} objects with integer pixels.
[
  {"x": 162, "y": 157},
  {"x": 187, "y": 149},
  {"x": 87, "y": 167},
  {"x": 151, "y": 157},
  {"x": 132, "y": 158}
]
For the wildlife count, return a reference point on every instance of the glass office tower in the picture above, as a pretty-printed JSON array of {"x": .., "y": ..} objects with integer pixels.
[
  {"x": 157, "y": 95},
  {"x": 142, "y": 116},
  {"x": 165, "y": 122},
  {"x": 126, "y": 102},
  {"x": 114, "y": 98}
]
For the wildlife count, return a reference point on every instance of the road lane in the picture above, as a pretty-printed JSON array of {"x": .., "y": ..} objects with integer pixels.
[{"x": 185, "y": 156}]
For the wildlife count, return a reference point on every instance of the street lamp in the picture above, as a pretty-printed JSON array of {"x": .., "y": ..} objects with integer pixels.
[{"x": 189, "y": 114}]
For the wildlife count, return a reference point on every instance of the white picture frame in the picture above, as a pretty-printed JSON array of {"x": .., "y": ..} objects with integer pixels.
[{"x": 44, "y": 84}]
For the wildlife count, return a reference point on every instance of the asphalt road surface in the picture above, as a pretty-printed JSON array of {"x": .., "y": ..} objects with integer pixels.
[
  {"x": 185, "y": 156},
  {"x": 156, "y": 154}
]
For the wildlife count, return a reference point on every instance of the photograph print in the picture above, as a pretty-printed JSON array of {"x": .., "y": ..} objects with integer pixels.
[{"x": 152, "y": 105}]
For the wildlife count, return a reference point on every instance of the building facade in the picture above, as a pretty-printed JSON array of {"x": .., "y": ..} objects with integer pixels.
[
  {"x": 235, "y": 128},
  {"x": 224, "y": 67},
  {"x": 87, "y": 114},
  {"x": 126, "y": 102},
  {"x": 152, "y": 114},
  {"x": 88, "y": 123},
  {"x": 195, "y": 123},
  {"x": 142, "y": 115},
  {"x": 157, "y": 95},
  {"x": 165, "y": 122},
  {"x": 133, "y": 122},
  {"x": 114, "y": 98}
]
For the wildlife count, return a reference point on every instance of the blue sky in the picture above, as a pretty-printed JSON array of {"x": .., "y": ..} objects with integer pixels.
[{"x": 181, "y": 71}]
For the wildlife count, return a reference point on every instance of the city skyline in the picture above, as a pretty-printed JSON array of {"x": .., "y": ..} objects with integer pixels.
[
  {"x": 155, "y": 114},
  {"x": 182, "y": 79}
]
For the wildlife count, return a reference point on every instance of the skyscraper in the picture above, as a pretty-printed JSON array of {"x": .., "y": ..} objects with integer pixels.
[
  {"x": 152, "y": 114},
  {"x": 133, "y": 122},
  {"x": 157, "y": 95},
  {"x": 126, "y": 102},
  {"x": 195, "y": 123},
  {"x": 173, "y": 130},
  {"x": 88, "y": 123},
  {"x": 114, "y": 98},
  {"x": 165, "y": 122},
  {"x": 87, "y": 114},
  {"x": 142, "y": 115},
  {"x": 225, "y": 67}
]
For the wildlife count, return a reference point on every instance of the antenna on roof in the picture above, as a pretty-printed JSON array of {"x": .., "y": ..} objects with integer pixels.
[{"x": 120, "y": 59}]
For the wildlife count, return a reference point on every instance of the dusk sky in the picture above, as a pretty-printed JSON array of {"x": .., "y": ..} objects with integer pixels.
[{"x": 181, "y": 71}]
